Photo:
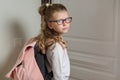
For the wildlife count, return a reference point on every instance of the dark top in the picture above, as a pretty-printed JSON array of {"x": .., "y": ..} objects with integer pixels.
[{"x": 39, "y": 57}]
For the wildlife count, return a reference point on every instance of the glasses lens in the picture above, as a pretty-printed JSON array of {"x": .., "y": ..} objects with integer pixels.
[
  {"x": 59, "y": 21},
  {"x": 68, "y": 20}
]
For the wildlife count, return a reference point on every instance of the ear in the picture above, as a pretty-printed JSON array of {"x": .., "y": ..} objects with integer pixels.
[{"x": 50, "y": 25}]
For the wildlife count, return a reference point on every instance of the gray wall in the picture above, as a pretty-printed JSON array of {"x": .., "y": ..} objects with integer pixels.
[{"x": 94, "y": 39}]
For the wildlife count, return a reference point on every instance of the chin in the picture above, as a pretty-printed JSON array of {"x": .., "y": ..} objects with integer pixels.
[{"x": 65, "y": 32}]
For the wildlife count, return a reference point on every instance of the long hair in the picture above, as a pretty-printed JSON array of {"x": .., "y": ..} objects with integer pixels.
[{"x": 46, "y": 11}]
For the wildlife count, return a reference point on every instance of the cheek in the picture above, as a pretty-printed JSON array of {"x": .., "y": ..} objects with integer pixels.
[
  {"x": 68, "y": 24},
  {"x": 57, "y": 28}
]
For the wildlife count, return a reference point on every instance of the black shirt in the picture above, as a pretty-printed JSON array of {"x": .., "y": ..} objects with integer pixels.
[{"x": 39, "y": 57}]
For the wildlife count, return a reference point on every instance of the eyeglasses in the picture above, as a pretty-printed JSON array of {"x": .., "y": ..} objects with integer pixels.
[{"x": 61, "y": 21}]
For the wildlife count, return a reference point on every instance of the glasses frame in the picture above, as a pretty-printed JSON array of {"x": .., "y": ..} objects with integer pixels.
[{"x": 62, "y": 20}]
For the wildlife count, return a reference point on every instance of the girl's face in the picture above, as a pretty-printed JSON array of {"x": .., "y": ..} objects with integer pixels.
[{"x": 60, "y": 22}]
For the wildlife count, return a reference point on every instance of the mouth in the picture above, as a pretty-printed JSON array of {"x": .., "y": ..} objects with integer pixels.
[{"x": 66, "y": 28}]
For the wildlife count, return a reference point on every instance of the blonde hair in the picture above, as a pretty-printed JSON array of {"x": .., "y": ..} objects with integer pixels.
[{"x": 46, "y": 11}]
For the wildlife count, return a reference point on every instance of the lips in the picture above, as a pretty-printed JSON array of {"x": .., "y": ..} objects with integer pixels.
[{"x": 66, "y": 28}]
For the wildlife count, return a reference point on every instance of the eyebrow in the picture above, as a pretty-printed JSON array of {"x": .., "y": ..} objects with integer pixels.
[{"x": 57, "y": 19}]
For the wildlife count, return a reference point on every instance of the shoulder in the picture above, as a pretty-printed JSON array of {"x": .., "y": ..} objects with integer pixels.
[
  {"x": 54, "y": 45},
  {"x": 58, "y": 45},
  {"x": 56, "y": 48}
]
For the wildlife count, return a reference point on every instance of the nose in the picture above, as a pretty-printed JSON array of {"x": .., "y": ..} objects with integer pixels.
[{"x": 64, "y": 23}]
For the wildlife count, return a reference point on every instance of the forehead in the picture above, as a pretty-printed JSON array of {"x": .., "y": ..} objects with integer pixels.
[{"x": 60, "y": 15}]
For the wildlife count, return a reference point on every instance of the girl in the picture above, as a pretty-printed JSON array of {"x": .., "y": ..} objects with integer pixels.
[{"x": 55, "y": 21}]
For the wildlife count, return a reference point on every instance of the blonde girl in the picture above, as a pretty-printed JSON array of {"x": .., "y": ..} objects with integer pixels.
[{"x": 55, "y": 21}]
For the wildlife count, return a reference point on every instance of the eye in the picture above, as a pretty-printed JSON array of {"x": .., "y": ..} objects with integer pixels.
[
  {"x": 59, "y": 21},
  {"x": 68, "y": 20}
]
